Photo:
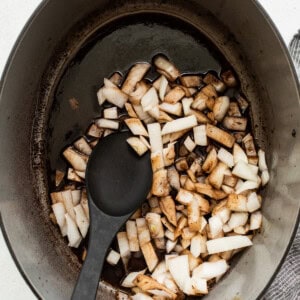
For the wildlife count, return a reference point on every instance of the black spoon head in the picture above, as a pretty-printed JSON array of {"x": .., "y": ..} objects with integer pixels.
[{"x": 117, "y": 179}]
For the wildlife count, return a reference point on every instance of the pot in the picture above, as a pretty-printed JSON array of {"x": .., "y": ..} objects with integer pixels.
[{"x": 34, "y": 123}]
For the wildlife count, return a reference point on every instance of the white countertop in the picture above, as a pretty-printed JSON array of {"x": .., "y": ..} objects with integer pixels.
[{"x": 13, "y": 16}]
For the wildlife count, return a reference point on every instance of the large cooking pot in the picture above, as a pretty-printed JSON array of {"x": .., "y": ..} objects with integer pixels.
[{"x": 31, "y": 81}]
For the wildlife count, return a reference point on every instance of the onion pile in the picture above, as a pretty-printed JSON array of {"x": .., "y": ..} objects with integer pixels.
[{"x": 204, "y": 204}]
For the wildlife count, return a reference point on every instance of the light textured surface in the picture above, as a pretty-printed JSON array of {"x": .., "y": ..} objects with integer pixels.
[{"x": 13, "y": 16}]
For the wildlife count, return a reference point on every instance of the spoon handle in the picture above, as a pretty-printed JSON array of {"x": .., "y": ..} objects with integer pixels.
[{"x": 99, "y": 240}]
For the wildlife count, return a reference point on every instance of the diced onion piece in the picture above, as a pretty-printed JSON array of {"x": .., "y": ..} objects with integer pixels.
[
  {"x": 174, "y": 95},
  {"x": 265, "y": 177},
  {"x": 165, "y": 67},
  {"x": 123, "y": 246},
  {"x": 262, "y": 160},
  {"x": 220, "y": 135},
  {"x": 155, "y": 225},
  {"x": 174, "y": 109},
  {"x": 104, "y": 123},
  {"x": 213, "y": 80},
  {"x": 149, "y": 255},
  {"x": 169, "y": 154},
  {"x": 163, "y": 87},
  {"x": 136, "y": 126},
  {"x": 238, "y": 219},
  {"x": 130, "y": 110},
  {"x": 237, "y": 203},
  {"x": 59, "y": 212},
  {"x": 100, "y": 96},
  {"x": 215, "y": 226},
  {"x": 110, "y": 113},
  {"x": 150, "y": 101},
  {"x": 73, "y": 234},
  {"x": 179, "y": 269},
  {"x": 209, "y": 270},
  {"x": 159, "y": 269},
  {"x": 243, "y": 171},
  {"x": 113, "y": 257},
  {"x": 132, "y": 236},
  {"x": 160, "y": 184},
  {"x": 221, "y": 107},
  {"x": 81, "y": 220},
  {"x": 84, "y": 203},
  {"x": 198, "y": 245},
  {"x": 191, "y": 80},
  {"x": 76, "y": 159},
  {"x": 253, "y": 203},
  {"x": 189, "y": 144},
  {"x": 193, "y": 211},
  {"x": 82, "y": 146},
  {"x": 143, "y": 231},
  {"x": 229, "y": 78},
  {"x": 157, "y": 161},
  {"x": 137, "y": 145},
  {"x": 226, "y": 157},
  {"x": 68, "y": 203},
  {"x": 216, "y": 177},
  {"x": 170, "y": 245},
  {"x": 145, "y": 141},
  {"x": 114, "y": 95},
  {"x": 173, "y": 178},
  {"x": 141, "y": 296},
  {"x": 128, "y": 281},
  {"x": 200, "y": 137},
  {"x": 135, "y": 74},
  {"x": 227, "y": 243},
  {"x": 247, "y": 185},
  {"x": 235, "y": 123},
  {"x": 73, "y": 176},
  {"x": 179, "y": 124},
  {"x": 186, "y": 105},
  {"x": 255, "y": 220},
  {"x": 185, "y": 197},
  {"x": 167, "y": 206},
  {"x": 140, "y": 90},
  {"x": 199, "y": 285},
  {"x": 239, "y": 154},
  {"x": 155, "y": 137}
]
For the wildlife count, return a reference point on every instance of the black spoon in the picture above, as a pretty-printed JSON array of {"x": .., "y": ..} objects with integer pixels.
[{"x": 117, "y": 181}]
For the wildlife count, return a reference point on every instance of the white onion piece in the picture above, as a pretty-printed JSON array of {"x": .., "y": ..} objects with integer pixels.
[
  {"x": 238, "y": 219},
  {"x": 243, "y": 171},
  {"x": 179, "y": 269},
  {"x": 129, "y": 279},
  {"x": 59, "y": 212},
  {"x": 239, "y": 154},
  {"x": 81, "y": 220},
  {"x": 76, "y": 196},
  {"x": 113, "y": 257},
  {"x": 246, "y": 185},
  {"x": 141, "y": 296},
  {"x": 200, "y": 137},
  {"x": 179, "y": 124},
  {"x": 155, "y": 137},
  {"x": 253, "y": 203},
  {"x": 227, "y": 243},
  {"x": 262, "y": 160},
  {"x": 255, "y": 220},
  {"x": 209, "y": 270},
  {"x": 74, "y": 236},
  {"x": 226, "y": 157}
]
